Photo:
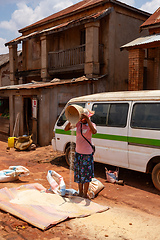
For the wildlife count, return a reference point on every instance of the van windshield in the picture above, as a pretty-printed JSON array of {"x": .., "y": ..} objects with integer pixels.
[{"x": 63, "y": 119}]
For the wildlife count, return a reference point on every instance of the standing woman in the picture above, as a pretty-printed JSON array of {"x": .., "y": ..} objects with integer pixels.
[{"x": 83, "y": 163}]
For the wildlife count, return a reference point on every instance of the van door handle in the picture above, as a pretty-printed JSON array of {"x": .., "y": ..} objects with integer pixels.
[{"x": 58, "y": 138}]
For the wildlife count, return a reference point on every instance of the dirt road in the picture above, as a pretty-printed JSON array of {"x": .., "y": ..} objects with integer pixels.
[{"x": 134, "y": 209}]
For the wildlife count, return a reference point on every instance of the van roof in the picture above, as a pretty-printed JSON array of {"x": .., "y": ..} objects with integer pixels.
[{"x": 119, "y": 96}]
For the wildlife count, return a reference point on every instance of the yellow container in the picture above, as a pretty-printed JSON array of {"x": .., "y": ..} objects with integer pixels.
[{"x": 11, "y": 142}]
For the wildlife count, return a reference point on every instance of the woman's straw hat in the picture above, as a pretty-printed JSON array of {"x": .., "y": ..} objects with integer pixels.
[{"x": 88, "y": 112}]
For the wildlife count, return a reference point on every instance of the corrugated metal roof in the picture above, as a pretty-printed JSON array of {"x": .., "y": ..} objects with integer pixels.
[
  {"x": 21, "y": 38},
  {"x": 71, "y": 9},
  {"x": 80, "y": 6},
  {"x": 72, "y": 23},
  {"x": 142, "y": 41},
  {"x": 53, "y": 83},
  {"x": 63, "y": 26},
  {"x": 154, "y": 19}
]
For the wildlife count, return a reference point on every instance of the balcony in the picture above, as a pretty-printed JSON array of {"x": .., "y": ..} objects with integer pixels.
[{"x": 70, "y": 59}]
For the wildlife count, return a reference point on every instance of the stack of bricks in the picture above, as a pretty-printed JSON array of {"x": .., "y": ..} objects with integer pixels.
[{"x": 136, "y": 64}]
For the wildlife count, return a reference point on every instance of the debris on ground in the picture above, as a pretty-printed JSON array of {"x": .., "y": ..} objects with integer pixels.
[
  {"x": 13, "y": 173},
  {"x": 112, "y": 176}
]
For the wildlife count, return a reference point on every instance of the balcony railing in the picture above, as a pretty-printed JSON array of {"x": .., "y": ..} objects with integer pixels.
[
  {"x": 70, "y": 58},
  {"x": 67, "y": 58}
]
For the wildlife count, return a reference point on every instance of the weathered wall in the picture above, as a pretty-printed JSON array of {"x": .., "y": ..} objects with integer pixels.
[
  {"x": 153, "y": 68},
  {"x": 4, "y": 75},
  {"x": 103, "y": 39},
  {"x": 32, "y": 54},
  {"x": 52, "y": 102},
  {"x": 123, "y": 28}
]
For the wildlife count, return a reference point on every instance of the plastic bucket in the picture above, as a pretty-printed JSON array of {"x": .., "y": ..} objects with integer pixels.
[
  {"x": 11, "y": 142},
  {"x": 73, "y": 113}
]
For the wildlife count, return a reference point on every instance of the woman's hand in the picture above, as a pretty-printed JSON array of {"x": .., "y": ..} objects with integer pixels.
[
  {"x": 84, "y": 116},
  {"x": 87, "y": 119},
  {"x": 68, "y": 126}
]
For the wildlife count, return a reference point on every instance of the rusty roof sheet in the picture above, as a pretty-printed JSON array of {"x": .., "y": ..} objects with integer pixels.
[
  {"x": 54, "y": 82},
  {"x": 142, "y": 41},
  {"x": 63, "y": 26},
  {"x": 72, "y": 23},
  {"x": 154, "y": 19},
  {"x": 21, "y": 38},
  {"x": 80, "y": 6}
]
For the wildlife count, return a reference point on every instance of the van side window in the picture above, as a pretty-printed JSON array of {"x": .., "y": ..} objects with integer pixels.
[
  {"x": 146, "y": 115},
  {"x": 101, "y": 112},
  {"x": 118, "y": 115},
  {"x": 111, "y": 115},
  {"x": 61, "y": 120}
]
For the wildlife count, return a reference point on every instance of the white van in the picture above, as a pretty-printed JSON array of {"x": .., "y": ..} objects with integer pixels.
[{"x": 128, "y": 130}]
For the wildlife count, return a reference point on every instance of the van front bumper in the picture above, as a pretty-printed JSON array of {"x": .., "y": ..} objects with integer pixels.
[{"x": 53, "y": 142}]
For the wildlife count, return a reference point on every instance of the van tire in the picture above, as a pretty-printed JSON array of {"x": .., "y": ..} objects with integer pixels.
[
  {"x": 67, "y": 156},
  {"x": 156, "y": 176}
]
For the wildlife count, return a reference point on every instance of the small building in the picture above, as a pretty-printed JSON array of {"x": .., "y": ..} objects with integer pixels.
[
  {"x": 30, "y": 108},
  {"x": 144, "y": 56}
]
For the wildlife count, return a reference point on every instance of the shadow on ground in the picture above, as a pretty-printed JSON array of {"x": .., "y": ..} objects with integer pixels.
[
  {"x": 131, "y": 178},
  {"x": 59, "y": 161}
]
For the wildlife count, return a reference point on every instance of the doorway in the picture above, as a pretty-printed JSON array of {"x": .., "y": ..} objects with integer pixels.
[{"x": 27, "y": 116}]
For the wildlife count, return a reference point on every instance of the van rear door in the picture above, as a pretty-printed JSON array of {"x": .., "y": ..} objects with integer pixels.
[{"x": 144, "y": 134}]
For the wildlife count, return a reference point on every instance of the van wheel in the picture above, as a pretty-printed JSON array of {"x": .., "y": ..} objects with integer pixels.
[
  {"x": 69, "y": 155},
  {"x": 156, "y": 176}
]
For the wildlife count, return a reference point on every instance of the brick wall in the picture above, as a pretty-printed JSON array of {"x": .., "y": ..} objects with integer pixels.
[{"x": 136, "y": 63}]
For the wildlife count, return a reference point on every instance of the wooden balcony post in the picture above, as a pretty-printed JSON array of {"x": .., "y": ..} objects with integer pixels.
[
  {"x": 13, "y": 63},
  {"x": 44, "y": 59},
  {"x": 92, "y": 68}
]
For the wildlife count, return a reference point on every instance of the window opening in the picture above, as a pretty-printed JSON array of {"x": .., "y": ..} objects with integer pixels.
[
  {"x": 111, "y": 115},
  {"x": 146, "y": 116}
]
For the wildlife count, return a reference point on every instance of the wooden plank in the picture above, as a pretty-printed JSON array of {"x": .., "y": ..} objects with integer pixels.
[{"x": 4, "y": 125}]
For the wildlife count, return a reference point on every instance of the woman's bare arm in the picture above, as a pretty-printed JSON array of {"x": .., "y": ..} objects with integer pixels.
[{"x": 68, "y": 126}]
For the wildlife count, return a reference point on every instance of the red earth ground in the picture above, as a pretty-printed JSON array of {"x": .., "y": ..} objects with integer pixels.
[{"x": 137, "y": 194}]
